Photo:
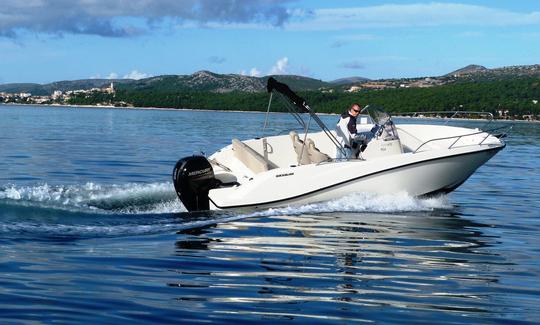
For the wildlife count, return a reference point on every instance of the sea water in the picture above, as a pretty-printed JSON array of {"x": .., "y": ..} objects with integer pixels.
[{"x": 91, "y": 231}]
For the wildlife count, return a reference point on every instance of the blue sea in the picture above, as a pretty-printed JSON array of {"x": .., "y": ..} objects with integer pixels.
[{"x": 91, "y": 232}]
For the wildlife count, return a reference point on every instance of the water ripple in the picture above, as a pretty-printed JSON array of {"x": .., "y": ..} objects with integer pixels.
[{"x": 91, "y": 231}]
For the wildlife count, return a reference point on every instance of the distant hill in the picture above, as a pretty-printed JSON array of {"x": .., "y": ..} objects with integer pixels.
[
  {"x": 479, "y": 73},
  {"x": 299, "y": 82},
  {"x": 206, "y": 81},
  {"x": 32, "y": 88},
  {"x": 349, "y": 80},
  {"x": 470, "y": 69},
  {"x": 198, "y": 81}
]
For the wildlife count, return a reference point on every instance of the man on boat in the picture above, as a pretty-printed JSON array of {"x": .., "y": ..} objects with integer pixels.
[{"x": 346, "y": 130}]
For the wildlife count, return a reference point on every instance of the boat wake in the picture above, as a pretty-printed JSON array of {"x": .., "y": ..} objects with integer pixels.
[
  {"x": 92, "y": 210},
  {"x": 151, "y": 198},
  {"x": 159, "y": 198}
]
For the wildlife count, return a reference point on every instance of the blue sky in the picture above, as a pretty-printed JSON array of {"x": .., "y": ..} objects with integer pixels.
[{"x": 50, "y": 40}]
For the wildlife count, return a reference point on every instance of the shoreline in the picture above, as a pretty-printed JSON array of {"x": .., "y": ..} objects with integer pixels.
[
  {"x": 240, "y": 111},
  {"x": 134, "y": 108}
]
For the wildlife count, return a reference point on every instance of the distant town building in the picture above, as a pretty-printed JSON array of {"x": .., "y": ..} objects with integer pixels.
[
  {"x": 354, "y": 89},
  {"x": 110, "y": 89},
  {"x": 40, "y": 99},
  {"x": 56, "y": 94},
  {"x": 376, "y": 85}
]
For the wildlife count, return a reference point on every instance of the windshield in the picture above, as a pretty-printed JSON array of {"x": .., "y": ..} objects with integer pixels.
[
  {"x": 384, "y": 125},
  {"x": 377, "y": 115}
]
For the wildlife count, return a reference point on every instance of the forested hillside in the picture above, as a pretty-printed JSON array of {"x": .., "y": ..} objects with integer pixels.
[{"x": 518, "y": 96}]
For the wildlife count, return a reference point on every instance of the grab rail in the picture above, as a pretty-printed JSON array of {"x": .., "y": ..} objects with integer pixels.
[{"x": 458, "y": 137}]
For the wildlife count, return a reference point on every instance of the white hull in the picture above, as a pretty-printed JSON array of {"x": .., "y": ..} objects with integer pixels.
[
  {"x": 419, "y": 178},
  {"x": 418, "y": 175}
]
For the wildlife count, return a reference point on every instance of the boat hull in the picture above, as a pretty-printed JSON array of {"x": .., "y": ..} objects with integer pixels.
[{"x": 417, "y": 174}]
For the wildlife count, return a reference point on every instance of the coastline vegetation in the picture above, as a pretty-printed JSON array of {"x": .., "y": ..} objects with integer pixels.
[{"x": 515, "y": 98}]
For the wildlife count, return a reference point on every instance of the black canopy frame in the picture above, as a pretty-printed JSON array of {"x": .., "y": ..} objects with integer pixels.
[{"x": 296, "y": 106}]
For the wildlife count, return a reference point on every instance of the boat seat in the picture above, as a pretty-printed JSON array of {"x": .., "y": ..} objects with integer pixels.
[
  {"x": 314, "y": 154},
  {"x": 302, "y": 156},
  {"x": 249, "y": 157}
]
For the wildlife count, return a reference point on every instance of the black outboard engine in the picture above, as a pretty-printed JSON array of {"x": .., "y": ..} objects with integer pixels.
[{"x": 193, "y": 177}]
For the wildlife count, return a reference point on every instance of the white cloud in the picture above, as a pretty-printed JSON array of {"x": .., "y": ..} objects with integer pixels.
[
  {"x": 121, "y": 18},
  {"x": 135, "y": 74},
  {"x": 411, "y": 15},
  {"x": 281, "y": 66},
  {"x": 254, "y": 72}
]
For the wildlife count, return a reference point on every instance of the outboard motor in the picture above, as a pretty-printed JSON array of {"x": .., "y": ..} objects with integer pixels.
[{"x": 193, "y": 177}]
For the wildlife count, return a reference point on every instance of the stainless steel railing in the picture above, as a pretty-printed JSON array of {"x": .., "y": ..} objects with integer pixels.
[{"x": 489, "y": 132}]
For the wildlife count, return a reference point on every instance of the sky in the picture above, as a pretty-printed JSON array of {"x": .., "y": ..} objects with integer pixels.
[{"x": 42, "y": 41}]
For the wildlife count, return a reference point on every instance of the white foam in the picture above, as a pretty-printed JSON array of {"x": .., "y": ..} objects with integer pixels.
[
  {"x": 125, "y": 198},
  {"x": 157, "y": 198},
  {"x": 365, "y": 202}
]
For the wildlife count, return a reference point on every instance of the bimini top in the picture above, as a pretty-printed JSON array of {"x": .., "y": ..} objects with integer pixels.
[
  {"x": 296, "y": 105},
  {"x": 272, "y": 84}
]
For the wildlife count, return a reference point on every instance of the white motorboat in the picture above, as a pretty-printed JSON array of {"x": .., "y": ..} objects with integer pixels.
[{"x": 301, "y": 167}]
